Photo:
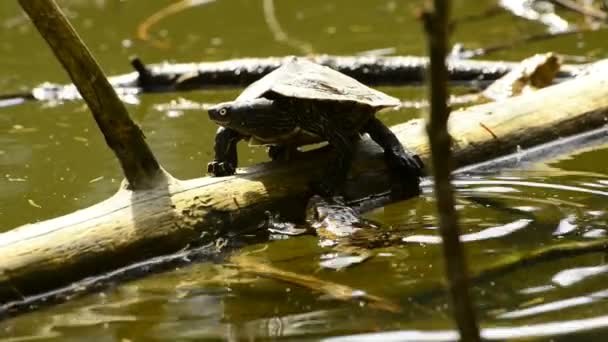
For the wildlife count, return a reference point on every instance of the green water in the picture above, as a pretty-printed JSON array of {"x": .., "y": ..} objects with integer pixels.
[{"x": 54, "y": 161}]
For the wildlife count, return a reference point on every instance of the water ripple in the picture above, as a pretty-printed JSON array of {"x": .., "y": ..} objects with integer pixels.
[
  {"x": 556, "y": 305},
  {"x": 485, "y": 234},
  {"x": 463, "y": 182}
]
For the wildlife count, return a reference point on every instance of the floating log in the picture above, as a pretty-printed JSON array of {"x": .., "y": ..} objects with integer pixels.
[
  {"x": 169, "y": 77},
  {"x": 134, "y": 225},
  {"x": 372, "y": 70}
]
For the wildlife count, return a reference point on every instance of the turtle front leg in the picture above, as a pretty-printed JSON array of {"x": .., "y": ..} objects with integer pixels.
[
  {"x": 226, "y": 160},
  {"x": 405, "y": 166}
]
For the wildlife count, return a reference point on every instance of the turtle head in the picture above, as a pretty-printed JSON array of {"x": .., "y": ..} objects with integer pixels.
[
  {"x": 240, "y": 113},
  {"x": 243, "y": 115}
]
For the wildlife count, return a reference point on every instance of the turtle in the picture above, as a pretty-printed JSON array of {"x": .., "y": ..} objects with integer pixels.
[{"x": 303, "y": 103}]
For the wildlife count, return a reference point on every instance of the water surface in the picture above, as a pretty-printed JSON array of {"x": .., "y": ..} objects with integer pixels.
[{"x": 54, "y": 161}]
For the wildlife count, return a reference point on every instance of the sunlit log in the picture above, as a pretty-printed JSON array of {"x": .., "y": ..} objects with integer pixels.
[{"x": 133, "y": 226}]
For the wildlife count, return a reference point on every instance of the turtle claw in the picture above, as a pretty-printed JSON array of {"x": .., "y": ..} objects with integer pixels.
[
  {"x": 220, "y": 169},
  {"x": 278, "y": 153},
  {"x": 406, "y": 171},
  {"x": 404, "y": 189}
]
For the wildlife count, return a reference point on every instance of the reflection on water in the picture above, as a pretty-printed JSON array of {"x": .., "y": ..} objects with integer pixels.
[
  {"x": 484, "y": 234},
  {"x": 53, "y": 161},
  {"x": 552, "y": 329},
  {"x": 213, "y": 300},
  {"x": 575, "y": 275},
  {"x": 556, "y": 306}
]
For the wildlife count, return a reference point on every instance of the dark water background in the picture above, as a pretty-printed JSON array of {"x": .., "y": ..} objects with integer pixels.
[{"x": 54, "y": 161}]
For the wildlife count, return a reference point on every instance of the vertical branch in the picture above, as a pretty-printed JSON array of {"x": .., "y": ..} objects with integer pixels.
[
  {"x": 436, "y": 25},
  {"x": 122, "y": 135}
]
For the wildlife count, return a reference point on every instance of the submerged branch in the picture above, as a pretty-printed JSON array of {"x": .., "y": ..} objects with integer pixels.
[
  {"x": 250, "y": 265},
  {"x": 122, "y": 135}
]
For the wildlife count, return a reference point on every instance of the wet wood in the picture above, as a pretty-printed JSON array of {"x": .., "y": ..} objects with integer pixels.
[
  {"x": 122, "y": 135},
  {"x": 132, "y": 226},
  {"x": 167, "y": 77},
  {"x": 372, "y": 70}
]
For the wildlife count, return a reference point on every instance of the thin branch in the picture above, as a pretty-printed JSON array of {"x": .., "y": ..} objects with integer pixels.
[
  {"x": 483, "y": 51},
  {"x": 277, "y": 31},
  {"x": 584, "y": 10},
  {"x": 143, "y": 29},
  {"x": 436, "y": 25},
  {"x": 122, "y": 135}
]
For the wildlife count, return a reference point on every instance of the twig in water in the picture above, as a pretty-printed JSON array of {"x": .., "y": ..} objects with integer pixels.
[
  {"x": 584, "y": 10},
  {"x": 277, "y": 31},
  {"x": 470, "y": 53},
  {"x": 250, "y": 265},
  {"x": 143, "y": 29}
]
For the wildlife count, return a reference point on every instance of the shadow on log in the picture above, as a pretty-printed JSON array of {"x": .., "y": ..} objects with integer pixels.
[{"x": 132, "y": 226}]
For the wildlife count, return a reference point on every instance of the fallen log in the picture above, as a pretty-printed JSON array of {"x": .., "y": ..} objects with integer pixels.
[
  {"x": 168, "y": 77},
  {"x": 134, "y": 225},
  {"x": 372, "y": 70}
]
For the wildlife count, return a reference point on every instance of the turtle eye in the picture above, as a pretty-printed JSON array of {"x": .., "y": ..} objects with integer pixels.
[{"x": 223, "y": 111}]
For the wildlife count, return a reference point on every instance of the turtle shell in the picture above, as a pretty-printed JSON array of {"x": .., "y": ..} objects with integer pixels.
[{"x": 303, "y": 79}]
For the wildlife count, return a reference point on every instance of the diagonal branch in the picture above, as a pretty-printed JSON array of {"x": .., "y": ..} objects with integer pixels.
[{"x": 122, "y": 135}]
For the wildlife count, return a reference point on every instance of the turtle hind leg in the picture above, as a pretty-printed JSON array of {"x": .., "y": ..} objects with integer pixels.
[
  {"x": 282, "y": 153},
  {"x": 405, "y": 167},
  {"x": 336, "y": 171},
  {"x": 226, "y": 159}
]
